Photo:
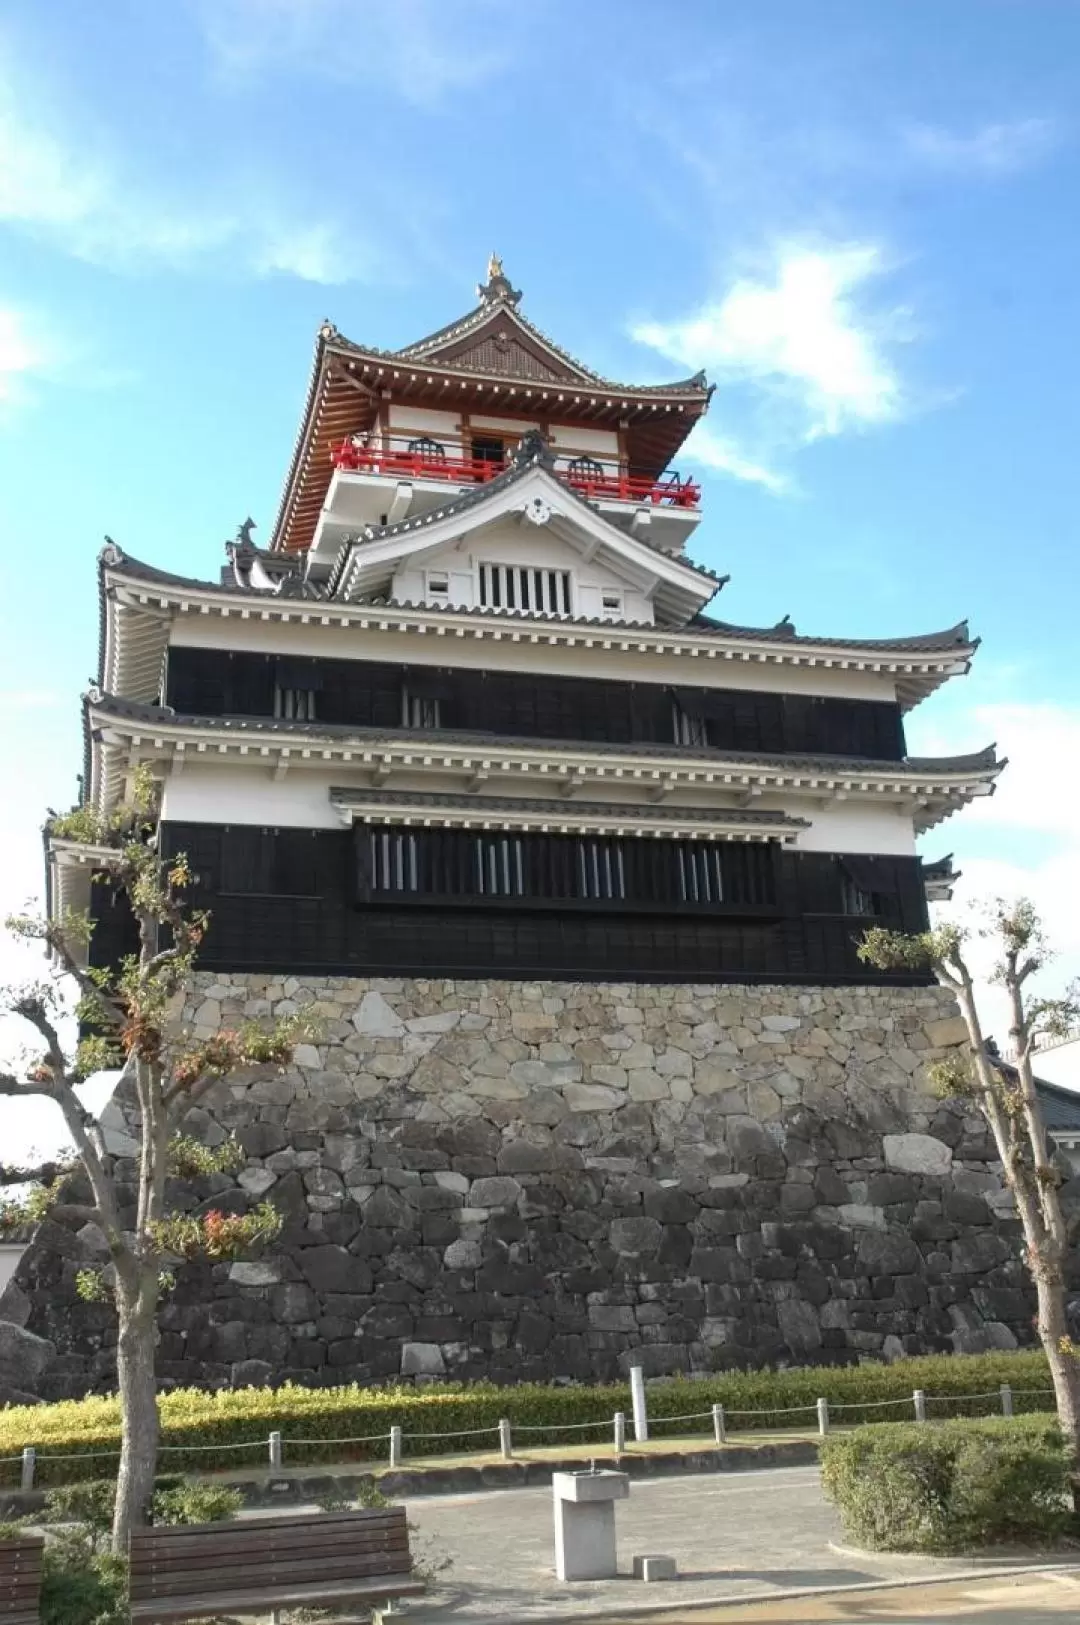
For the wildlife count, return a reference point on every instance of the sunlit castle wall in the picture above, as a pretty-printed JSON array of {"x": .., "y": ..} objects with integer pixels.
[{"x": 553, "y": 1180}]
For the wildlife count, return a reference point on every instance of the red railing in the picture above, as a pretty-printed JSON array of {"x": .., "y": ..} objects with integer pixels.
[{"x": 601, "y": 482}]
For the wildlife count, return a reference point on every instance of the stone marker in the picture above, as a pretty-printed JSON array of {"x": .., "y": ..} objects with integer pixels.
[
  {"x": 584, "y": 1505},
  {"x": 655, "y": 1568}
]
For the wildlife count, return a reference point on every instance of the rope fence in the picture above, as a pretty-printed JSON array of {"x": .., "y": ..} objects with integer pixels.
[{"x": 276, "y": 1445}]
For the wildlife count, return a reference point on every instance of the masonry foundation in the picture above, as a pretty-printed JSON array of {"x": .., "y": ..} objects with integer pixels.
[{"x": 553, "y": 1181}]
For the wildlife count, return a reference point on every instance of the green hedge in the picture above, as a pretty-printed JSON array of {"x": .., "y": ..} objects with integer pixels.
[
  {"x": 203, "y": 1430},
  {"x": 961, "y": 1486}
]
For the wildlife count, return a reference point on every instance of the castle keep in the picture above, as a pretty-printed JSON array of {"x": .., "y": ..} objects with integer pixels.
[{"x": 572, "y": 872}]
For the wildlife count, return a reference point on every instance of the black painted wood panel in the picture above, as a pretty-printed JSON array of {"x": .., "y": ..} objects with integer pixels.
[
  {"x": 215, "y": 682},
  {"x": 303, "y": 900}
]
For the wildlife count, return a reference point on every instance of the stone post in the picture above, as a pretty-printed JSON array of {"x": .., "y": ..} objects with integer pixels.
[
  {"x": 823, "y": 1416},
  {"x": 637, "y": 1399},
  {"x": 918, "y": 1399},
  {"x": 719, "y": 1425},
  {"x": 584, "y": 1506}
]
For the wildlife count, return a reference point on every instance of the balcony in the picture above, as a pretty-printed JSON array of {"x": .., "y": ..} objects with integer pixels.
[
  {"x": 424, "y": 459},
  {"x": 390, "y": 481}
]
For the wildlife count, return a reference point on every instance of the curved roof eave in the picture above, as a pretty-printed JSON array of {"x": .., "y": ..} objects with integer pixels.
[{"x": 984, "y": 764}]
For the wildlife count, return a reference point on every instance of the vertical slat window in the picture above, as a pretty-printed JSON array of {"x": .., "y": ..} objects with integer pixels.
[
  {"x": 500, "y": 866},
  {"x": 517, "y": 586},
  {"x": 294, "y": 704},
  {"x": 601, "y": 869},
  {"x": 699, "y": 872},
  {"x": 688, "y": 729}
]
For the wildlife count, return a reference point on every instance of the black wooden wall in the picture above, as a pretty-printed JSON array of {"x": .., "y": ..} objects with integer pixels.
[
  {"x": 301, "y": 900},
  {"x": 213, "y": 682}
]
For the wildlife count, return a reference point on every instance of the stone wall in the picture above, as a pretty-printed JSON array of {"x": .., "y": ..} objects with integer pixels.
[{"x": 551, "y": 1180}]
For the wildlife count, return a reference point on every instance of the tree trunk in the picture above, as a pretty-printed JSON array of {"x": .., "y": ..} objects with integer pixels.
[
  {"x": 1064, "y": 1365},
  {"x": 138, "y": 1405}
]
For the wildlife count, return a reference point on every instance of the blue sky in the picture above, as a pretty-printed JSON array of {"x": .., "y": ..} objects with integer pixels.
[{"x": 859, "y": 217}]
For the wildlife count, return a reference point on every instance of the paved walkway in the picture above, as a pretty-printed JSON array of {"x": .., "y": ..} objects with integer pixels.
[
  {"x": 1008, "y": 1599},
  {"x": 736, "y": 1538}
]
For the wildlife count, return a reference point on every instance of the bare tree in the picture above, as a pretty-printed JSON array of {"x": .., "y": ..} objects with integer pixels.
[
  {"x": 130, "y": 1012},
  {"x": 1006, "y": 1095}
]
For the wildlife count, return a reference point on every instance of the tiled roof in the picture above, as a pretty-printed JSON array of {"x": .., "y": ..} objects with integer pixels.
[
  {"x": 519, "y": 469},
  {"x": 406, "y": 799},
  {"x": 953, "y": 638},
  {"x": 976, "y": 764},
  {"x": 1061, "y": 1107}
]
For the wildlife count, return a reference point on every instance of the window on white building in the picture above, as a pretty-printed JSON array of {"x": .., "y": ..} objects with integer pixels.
[
  {"x": 521, "y": 587},
  {"x": 438, "y": 586},
  {"x": 611, "y": 606}
]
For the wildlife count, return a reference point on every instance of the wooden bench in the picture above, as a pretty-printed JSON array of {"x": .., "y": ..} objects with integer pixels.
[
  {"x": 20, "y": 1579},
  {"x": 192, "y": 1571}
]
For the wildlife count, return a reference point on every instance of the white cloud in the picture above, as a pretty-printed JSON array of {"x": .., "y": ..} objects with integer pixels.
[
  {"x": 710, "y": 448},
  {"x": 992, "y": 149},
  {"x": 22, "y": 354},
  {"x": 76, "y": 193},
  {"x": 799, "y": 334},
  {"x": 420, "y": 49}
]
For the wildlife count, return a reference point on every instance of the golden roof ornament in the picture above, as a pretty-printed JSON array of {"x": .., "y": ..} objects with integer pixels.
[{"x": 497, "y": 289}]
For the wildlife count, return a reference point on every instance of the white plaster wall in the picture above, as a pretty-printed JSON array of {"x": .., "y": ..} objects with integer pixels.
[
  {"x": 422, "y": 420},
  {"x": 516, "y": 651},
  {"x": 237, "y": 795},
  {"x": 854, "y": 826},
  {"x": 515, "y": 542},
  {"x": 601, "y": 443}
]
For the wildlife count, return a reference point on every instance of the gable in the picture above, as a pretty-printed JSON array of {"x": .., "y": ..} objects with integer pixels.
[{"x": 504, "y": 345}]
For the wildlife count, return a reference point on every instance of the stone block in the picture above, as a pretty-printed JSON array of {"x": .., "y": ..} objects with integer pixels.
[
  {"x": 655, "y": 1567},
  {"x": 375, "y": 1018},
  {"x": 947, "y": 1033},
  {"x": 422, "y": 1360},
  {"x": 24, "y": 1357},
  {"x": 917, "y": 1154},
  {"x": 500, "y": 1191},
  {"x": 255, "y": 1272}
]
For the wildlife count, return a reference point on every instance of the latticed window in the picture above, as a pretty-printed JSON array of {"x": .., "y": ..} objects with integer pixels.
[
  {"x": 432, "y": 451},
  {"x": 585, "y": 470},
  {"x": 519, "y": 586}
]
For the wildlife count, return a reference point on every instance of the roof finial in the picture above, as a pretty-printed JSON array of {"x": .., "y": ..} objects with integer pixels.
[{"x": 497, "y": 288}]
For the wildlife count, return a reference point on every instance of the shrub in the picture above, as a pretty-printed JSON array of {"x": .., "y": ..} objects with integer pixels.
[
  {"x": 195, "y": 1503},
  {"x": 912, "y": 1487},
  {"x": 229, "y": 1428}
]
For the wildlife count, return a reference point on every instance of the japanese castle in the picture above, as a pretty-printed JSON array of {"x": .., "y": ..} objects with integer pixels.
[{"x": 472, "y": 712}]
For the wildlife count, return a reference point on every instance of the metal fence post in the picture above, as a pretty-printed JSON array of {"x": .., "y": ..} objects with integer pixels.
[
  {"x": 395, "y": 1447},
  {"x": 823, "y": 1416},
  {"x": 637, "y": 1397},
  {"x": 619, "y": 1430},
  {"x": 275, "y": 1452},
  {"x": 1006, "y": 1399},
  {"x": 506, "y": 1443},
  {"x": 719, "y": 1426},
  {"x": 918, "y": 1399},
  {"x": 29, "y": 1461}
]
